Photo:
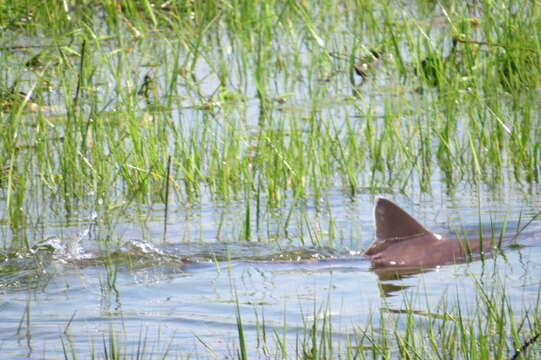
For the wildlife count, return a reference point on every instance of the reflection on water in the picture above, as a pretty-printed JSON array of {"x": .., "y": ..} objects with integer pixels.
[{"x": 177, "y": 292}]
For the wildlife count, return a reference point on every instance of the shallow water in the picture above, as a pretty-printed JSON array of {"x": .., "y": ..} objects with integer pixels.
[
  {"x": 84, "y": 282},
  {"x": 176, "y": 295}
]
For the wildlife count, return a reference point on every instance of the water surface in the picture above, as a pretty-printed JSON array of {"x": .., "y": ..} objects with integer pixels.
[{"x": 177, "y": 294}]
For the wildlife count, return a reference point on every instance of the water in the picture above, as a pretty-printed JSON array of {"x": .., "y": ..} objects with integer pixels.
[
  {"x": 180, "y": 295},
  {"x": 88, "y": 279}
]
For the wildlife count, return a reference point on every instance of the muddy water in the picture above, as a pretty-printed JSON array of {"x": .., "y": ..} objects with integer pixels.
[{"x": 180, "y": 295}]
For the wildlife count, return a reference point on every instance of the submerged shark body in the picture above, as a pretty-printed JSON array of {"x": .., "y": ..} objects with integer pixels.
[{"x": 402, "y": 242}]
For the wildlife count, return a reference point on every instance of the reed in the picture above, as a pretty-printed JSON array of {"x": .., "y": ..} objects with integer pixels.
[
  {"x": 271, "y": 105},
  {"x": 263, "y": 98}
]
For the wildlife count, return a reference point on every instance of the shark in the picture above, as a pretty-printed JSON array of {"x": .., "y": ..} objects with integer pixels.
[{"x": 402, "y": 242}]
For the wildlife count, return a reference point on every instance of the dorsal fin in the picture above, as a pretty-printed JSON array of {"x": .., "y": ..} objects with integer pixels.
[{"x": 393, "y": 223}]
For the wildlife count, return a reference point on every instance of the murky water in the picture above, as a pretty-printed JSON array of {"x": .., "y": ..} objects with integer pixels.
[{"x": 180, "y": 295}]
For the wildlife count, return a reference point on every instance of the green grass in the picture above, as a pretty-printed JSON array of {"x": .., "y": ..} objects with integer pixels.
[
  {"x": 246, "y": 97},
  {"x": 260, "y": 99},
  {"x": 488, "y": 328},
  {"x": 259, "y": 102}
]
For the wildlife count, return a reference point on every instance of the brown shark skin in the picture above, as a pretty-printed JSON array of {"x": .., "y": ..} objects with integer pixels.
[{"x": 402, "y": 242}]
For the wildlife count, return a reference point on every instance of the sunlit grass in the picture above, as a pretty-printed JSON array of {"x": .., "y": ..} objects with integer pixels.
[
  {"x": 271, "y": 105},
  {"x": 489, "y": 327},
  {"x": 249, "y": 96}
]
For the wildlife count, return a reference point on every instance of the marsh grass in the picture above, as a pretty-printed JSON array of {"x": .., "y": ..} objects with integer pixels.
[
  {"x": 248, "y": 101},
  {"x": 259, "y": 103},
  {"x": 113, "y": 347},
  {"x": 488, "y": 327}
]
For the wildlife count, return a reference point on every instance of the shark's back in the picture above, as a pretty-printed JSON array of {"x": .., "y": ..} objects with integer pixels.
[{"x": 401, "y": 241}]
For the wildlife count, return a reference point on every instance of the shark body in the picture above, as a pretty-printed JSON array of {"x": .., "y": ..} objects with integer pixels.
[{"x": 402, "y": 242}]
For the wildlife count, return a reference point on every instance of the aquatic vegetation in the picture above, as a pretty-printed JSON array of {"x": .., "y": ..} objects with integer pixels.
[
  {"x": 488, "y": 329},
  {"x": 257, "y": 100},
  {"x": 122, "y": 114}
]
